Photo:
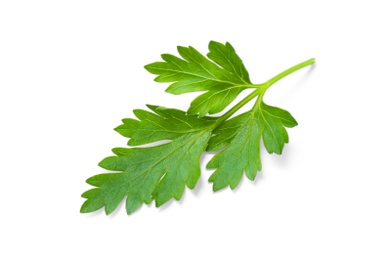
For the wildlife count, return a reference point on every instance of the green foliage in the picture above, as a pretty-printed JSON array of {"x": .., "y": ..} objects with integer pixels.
[
  {"x": 241, "y": 136},
  {"x": 166, "y": 144},
  {"x": 194, "y": 72},
  {"x": 159, "y": 172}
]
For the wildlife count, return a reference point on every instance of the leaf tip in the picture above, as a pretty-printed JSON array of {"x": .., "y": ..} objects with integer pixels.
[
  {"x": 158, "y": 202},
  {"x": 151, "y": 107},
  {"x": 86, "y": 207},
  {"x": 82, "y": 209},
  {"x": 217, "y": 187},
  {"x": 148, "y": 67}
]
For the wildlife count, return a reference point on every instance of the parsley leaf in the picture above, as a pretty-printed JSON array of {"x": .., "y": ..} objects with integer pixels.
[
  {"x": 159, "y": 172},
  {"x": 242, "y": 135},
  {"x": 194, "y": 72},
  {"x": 153, "y": 170}
]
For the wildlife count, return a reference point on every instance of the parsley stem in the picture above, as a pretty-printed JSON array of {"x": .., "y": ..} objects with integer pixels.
[
  {"x": 261, "y": 88},
  {"x": 289, "y": 71}
]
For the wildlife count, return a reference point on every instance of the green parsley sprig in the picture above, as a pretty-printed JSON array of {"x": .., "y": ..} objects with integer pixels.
[{"x": 161, "y": 172}]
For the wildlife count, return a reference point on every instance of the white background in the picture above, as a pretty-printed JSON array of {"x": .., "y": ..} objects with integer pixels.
[{"x": 71, "y": 70}]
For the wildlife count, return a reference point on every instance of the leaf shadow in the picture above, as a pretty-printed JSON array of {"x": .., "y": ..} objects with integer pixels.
[
  {"x": 283, "y": 160},
  {"x": 94, "y": 214},
  {"x": 298, "y": 84}
]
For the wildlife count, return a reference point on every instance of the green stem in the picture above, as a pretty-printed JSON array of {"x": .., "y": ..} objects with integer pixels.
[
  {"x": 289, "y": 71},
  {"x": 261, "y": 88},
  {"x": 240, "y": 104}
]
